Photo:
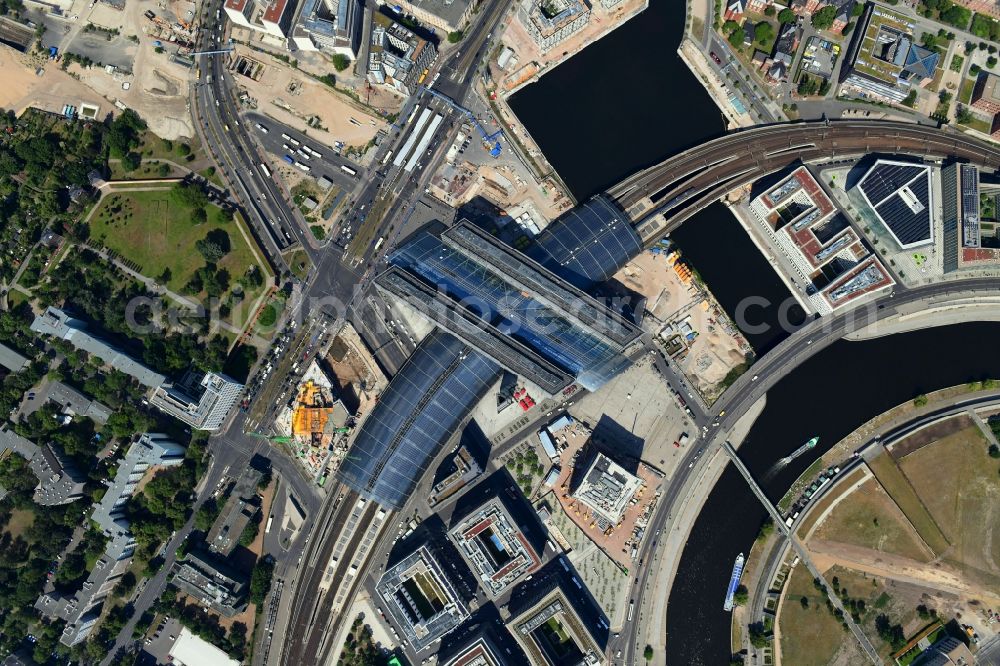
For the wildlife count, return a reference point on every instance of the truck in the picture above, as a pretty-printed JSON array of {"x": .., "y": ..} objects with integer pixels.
[
  {"x": 149, "y": 14},
  {"x": 684, "y": 438}
]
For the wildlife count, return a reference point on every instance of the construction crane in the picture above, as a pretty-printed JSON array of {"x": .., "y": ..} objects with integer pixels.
[
  {"x": 226, "y": 49},
  {"x": 487, "y": 137}
]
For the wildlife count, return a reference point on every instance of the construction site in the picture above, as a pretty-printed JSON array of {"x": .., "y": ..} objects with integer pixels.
[
  {"x": 316, "y": 425},
  {"x": 692, "y": 327}
]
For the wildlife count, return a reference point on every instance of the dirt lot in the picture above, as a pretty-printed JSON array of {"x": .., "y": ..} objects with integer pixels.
[
  {"x": 869, "y": 518},
  {"x": 905, "y": 496},
  {"x": 715, "y": 350},
  {"x": 50, "y": 91},
  {"x": 292, "y": 98}
]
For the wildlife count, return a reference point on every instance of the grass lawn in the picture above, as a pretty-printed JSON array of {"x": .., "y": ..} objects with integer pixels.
[
  {"x": 869, "y": 518},
  {"x": 299, "y": 262},
  {"x": 900, "y": 490},
  {"x": 978, "y": 124},
  {"x": 826, "y": 501},
  {"x": 211, "y": 175},
  {"x": 146, "y": 170},
  {"x": 810, "y": 636},
  {"x": 965, "y": 92},
  {"x": 159, "y": 234},
  {"x": 959, "y": 484},
  {"x": 20, "y": 520}
]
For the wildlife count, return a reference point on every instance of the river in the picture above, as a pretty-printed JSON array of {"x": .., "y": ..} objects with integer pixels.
[{"x": 628, "y": 101}]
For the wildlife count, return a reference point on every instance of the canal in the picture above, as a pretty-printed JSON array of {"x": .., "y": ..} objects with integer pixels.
[{"x": 628, "y": 101}]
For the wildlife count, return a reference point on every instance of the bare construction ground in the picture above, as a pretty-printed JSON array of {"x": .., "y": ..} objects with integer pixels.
[
  {"x": 675, "y": 304},
  {"x": 293, "y": 98},
  {"x": 50, "y": 90}
]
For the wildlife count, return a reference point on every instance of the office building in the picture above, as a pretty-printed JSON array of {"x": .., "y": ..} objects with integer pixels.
[
  {"x": 213, "y": 583},
  {"x": 494, "y": 547},
  {"x": 242, "y": 506},
  {"x": 448, "y": 15},
  {"x": 202, "y": 400},
  {"x": 552, "y": 633},
  {"x": 986, "y": 93},
  {"x": 606, "y": 489},
  {"x": 420, "y": 599},
  {"x": 272, "y": 17},
  {"x": 60, "y": 325},
  {"x": 481, "y": 650},
  {"x": 902, "y": 197},
  {"x": 551, "y": 22},
  {"x": 883, "y": 60},
  {"x": 190, "y": 650},
  {"x": 397, "y": 57},
  {"x": 966, "y": 245},
  {"x": 331, "y": 26}
]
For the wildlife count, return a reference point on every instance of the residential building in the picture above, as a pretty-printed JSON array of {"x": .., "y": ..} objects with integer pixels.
[
  {"x": 398, "y": 57},
  {"x": 783, "y": 55},
  {"x": 448, "y": 15},
  {"x": 11, "y": 360},
  {"x": 59, "y": 481},
  {"x": 986, "y": 93},
  {"x": 81, "y": 610},
  {"x": 60, "y": 325},
  {"x": 73, "y": 403},
  {"x": 735, "y": 10},
  {"x": 202, "y": 400},
  {"x": 330, "y": 26},
  {"x": 420, "y": 598},
  {"x": 213, "y": 583},
  {"x": 550, "y": 22},
  {"x": 845, "y": 10}
]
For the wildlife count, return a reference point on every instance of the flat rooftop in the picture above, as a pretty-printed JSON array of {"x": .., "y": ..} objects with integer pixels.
[{"x": 495, "y": 548}]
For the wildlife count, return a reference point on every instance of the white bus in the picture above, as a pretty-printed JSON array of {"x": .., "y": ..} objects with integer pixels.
[
  {"x": 378, "y": 244},
  {"x": 386, "y": 159},
  {"x": 265, "y": 170},
  {"x": 631, "y": 610},
  {"x": 348, "y": 170}
]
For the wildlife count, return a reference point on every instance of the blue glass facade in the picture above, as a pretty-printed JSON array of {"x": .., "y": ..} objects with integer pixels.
[
  {"x": 521, "y": 301},
  {"x": 426, "y": 402},
  {"x": 588, "y": 244}
]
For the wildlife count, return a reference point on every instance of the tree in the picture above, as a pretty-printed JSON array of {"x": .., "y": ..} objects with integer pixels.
[
  {"x": 991, "y": 62},
  {"x": 764, "y": 32},
  {"x": 962, "y": 115},
  {"x": 858, "y": 9},
  {"x": 737, "y": 37},
  {"x": 823, "y": 19},
  {"x": 214, "y": 246},
  {"x": 455, "y": 37},
  {"x": 729, "y": 27},
  {"x": 787, "y": 16},
  {"x": 994, "y": 451},
  {"x": 847, "y": 29},
  {"x": 758, "y": 635},
  {"x": 770, "y": 10},
  {"x": 183, "y": 149},
  {"x": 741, "y": 595},
  {"x": 647, "y": 654},
  {"x": 260, "y": 580},
  {"x": 340, "y": 62},
  {"x": 131, "y": 161},
  {"x": 911, "y": 98},
  {"x": 804, "y": 600},
  {"x": 199, "y": 216},
  {"x": 190, "y": 195}
]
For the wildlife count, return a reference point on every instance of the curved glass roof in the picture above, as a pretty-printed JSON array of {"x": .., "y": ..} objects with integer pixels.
[
  {"x": 423, "y": 406},
  {"x": 588, "y": 244}
]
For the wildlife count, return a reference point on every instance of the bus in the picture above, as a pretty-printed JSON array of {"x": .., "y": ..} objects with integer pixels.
[
  {"x": 378, "y": 243},
  {"x": 631, "y": 610},
  {"x": 387, "y": 157},
  {"x": 265, "y": 170},
  {"x": 348, "y": 170}
]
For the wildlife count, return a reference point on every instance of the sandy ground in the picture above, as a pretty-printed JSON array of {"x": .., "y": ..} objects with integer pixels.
[
  {"x": 716, "y": 350},
  {"x": 501, "y": 184},
  {"x": 50, "y": 91},
  {"x": 292, "y": 98},
  {"x": 937, "y": 575}
]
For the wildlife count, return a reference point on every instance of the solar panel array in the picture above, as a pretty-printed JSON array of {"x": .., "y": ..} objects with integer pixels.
[
  {"x": 970, "y": 206},
  {"x": 424, "y": 404},
  {"x": 887, "y": 186},
  {"x": 588, "y": 244}
]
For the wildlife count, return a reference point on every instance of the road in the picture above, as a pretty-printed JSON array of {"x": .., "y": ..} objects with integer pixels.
[{"x": 769, "y": 369}]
